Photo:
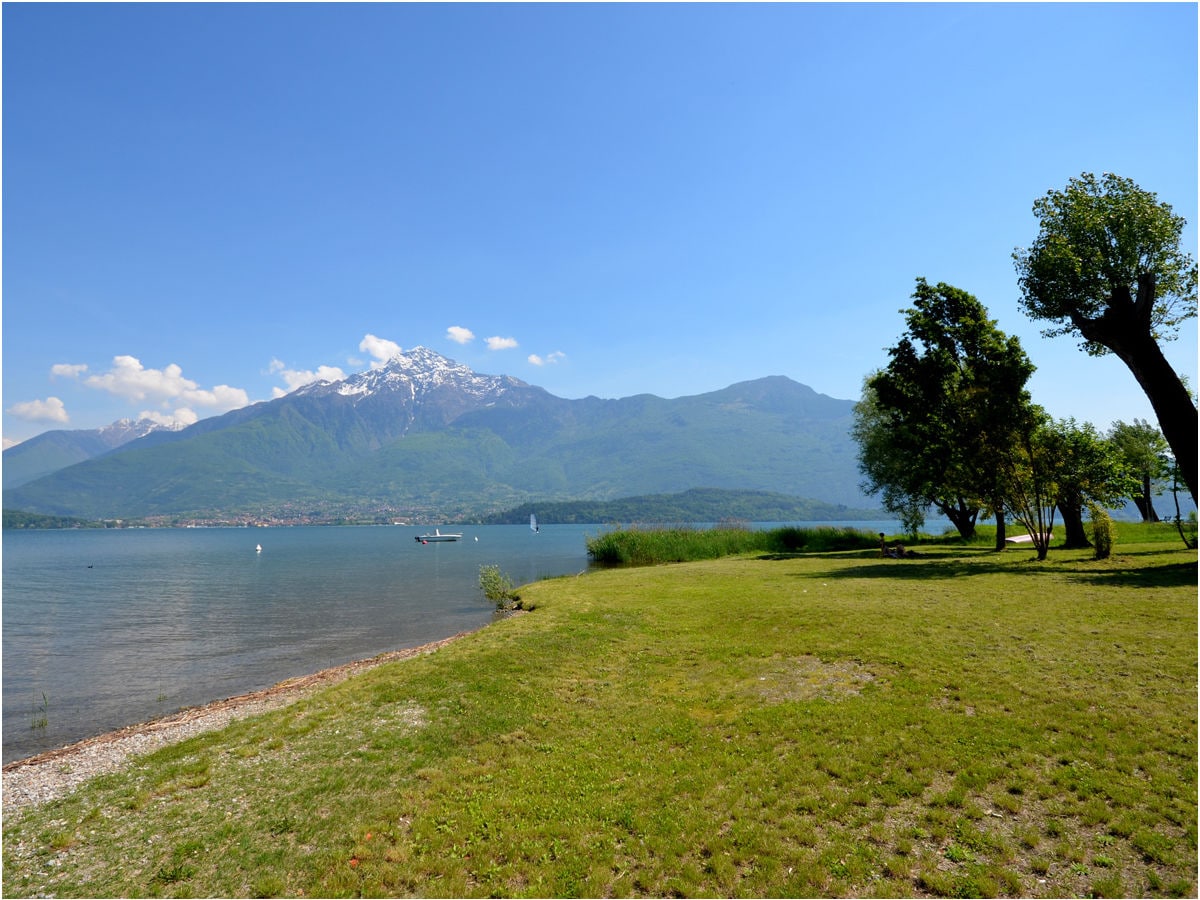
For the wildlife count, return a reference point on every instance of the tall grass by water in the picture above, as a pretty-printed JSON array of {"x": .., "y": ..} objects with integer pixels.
[
  {"x": 834, "y": 723},
  {"x": 638, "y": 546}
]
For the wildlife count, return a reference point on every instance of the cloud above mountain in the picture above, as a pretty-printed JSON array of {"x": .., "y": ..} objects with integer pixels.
[
  {"x": 130, "y": 380},
  {"x": 460, "y": 335},
  {"x": 175, "y": 396},
  {"x": 501, "y": 343},
  {"x": 49, "y": 410},
  {"x": 380, "y": 348},
  {"x": 296, "y": 378}
]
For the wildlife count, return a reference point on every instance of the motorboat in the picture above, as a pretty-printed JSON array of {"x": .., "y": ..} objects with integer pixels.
[{"x": 436, "y": 537}]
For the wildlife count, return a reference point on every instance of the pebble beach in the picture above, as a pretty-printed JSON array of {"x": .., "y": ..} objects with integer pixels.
[{"x": 55, "y": 773}]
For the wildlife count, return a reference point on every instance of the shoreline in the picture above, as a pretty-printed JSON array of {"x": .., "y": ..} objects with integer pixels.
[{"x": 54, "y": 773}]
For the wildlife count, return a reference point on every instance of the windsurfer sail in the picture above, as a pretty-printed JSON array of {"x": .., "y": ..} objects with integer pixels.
[{"x": 533, "y": 525}]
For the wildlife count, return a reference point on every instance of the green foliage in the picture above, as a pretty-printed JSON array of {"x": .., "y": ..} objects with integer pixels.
[
  {"x": 1030, "y": 480},
  {"x": 952, "y": 398},
  {"x": 666, "y": 544},
  {"x": 695, "y": 505},
  {"x": 497, "y": 586},
  {"x": 1103, "y": 533},
  {"x": 16, "y": 519},
  {"x": 671, "y": 544},
  {"x": 1104, "y": 243},
  {"x": 1087, "y": 469},
  {"x": 1109, "y": 265},
  {"x": 1145, "y": 452}
]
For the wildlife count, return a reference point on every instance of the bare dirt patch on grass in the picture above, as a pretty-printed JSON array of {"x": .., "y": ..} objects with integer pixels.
[{"x": 810, "y": 678}]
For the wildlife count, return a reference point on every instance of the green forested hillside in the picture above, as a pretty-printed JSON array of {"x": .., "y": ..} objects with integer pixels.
[{"x": 694, "y": 506}]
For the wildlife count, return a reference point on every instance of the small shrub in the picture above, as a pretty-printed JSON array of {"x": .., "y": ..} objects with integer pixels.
[
  {"x": 1103, "y": 533},
  {"x": 498, "y": 587}
]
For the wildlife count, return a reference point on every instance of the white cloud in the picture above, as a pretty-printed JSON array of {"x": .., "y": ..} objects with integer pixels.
[
  {"x": 548, "y": 360},
  {"x": 67, "y": 370},
  {"x": 296, "y": 378},
  {"x": 130, "y": 380},
  {"x": 460, "y": 335},
  {"x": 383, "y": 350},
  {"x": 49, "y": 410},
  {"x": 501, "y": 343}
]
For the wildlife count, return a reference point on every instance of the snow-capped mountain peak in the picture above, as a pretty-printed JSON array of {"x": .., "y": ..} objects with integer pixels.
[
  {"x": 414, "y": 373},
  {"x": 123, "y": 431}
]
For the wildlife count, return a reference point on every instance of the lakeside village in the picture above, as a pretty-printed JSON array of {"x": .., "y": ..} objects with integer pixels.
[{"x": 285, "y": 517}]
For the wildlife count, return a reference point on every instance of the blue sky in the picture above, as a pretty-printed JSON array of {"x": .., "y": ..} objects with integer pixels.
[{"x": 206, "y": 204}]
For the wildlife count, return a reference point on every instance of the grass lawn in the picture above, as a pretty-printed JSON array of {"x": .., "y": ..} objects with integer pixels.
[{"x": 962, "y": 724}]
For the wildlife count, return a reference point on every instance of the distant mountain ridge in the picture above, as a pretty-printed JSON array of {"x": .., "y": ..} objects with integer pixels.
[
  {"x": 53, "y": 450},
  {"x": 428, "y": 438}
]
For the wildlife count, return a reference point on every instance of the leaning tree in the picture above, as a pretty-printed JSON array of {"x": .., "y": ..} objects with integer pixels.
[
  {"x": 932, "y": 423},
  {"x": 1108, "y": 265}
]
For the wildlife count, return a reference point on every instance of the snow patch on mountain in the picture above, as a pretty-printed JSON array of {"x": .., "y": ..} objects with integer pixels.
[{"x": 123, "y": 431}]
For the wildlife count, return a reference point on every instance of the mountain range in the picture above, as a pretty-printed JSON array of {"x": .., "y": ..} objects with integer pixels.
[
  {"x": 426, "y": 438},
  {"x": 54, "y": 450}
]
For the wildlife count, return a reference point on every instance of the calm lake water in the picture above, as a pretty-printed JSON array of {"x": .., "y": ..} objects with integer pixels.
[{"x": 105, "y": 628}]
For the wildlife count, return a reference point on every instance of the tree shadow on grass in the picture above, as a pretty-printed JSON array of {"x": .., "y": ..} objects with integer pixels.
[
  {"x": 1173, "y": 575},
  {"x": 926, "y": 564},
  {"x": 960, "y": 564}
]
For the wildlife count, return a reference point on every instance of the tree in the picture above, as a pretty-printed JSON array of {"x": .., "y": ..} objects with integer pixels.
[
  {"x": 930, "y": 425},
  {"x": 1144, "y": 450},
  {"x": 1087, "y": 470},
  {"x": 1031, "y": 487},
  {"x": 884, "y": 460},
  {"x": 1108, "y": 265}
]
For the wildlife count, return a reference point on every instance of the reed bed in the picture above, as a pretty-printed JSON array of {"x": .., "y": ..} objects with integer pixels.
[{"x": 657, "y": 544}]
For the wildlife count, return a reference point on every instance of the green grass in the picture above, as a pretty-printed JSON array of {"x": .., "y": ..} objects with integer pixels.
[{"x": 961, "y": 724}]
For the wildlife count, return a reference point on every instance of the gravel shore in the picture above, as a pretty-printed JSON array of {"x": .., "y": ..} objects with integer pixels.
[{"x": 55, "y": 773}]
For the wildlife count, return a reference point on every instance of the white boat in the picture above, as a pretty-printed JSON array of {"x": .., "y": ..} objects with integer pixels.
[
  {"x": 533, "y": 525},
  {"x": 437, "y": 536}
]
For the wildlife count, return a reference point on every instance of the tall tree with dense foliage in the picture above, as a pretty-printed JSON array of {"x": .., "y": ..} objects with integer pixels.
[
  {"x": 1087, "y": 470},
  {"x": 1108, "y": 265},
  {"x": 1145, "y": 450},
  {"x": 885, "y": 460},
  {"x": 932, "y": 423}
]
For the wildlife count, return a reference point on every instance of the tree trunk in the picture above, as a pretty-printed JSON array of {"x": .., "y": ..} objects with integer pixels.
[
  {"x": 1001, "y": 535},
  {"x": 1072, "y": 516},
  {"x": 1143, "y": 502},
  {"x": 961, "y": 515},
  {"x": 1127, "y": 334}
]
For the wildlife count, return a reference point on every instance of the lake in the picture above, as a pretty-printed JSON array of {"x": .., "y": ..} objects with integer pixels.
[{"x": 106, "y": 628}]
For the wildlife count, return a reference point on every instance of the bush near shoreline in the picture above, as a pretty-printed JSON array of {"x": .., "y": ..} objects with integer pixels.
[{"x": 834, "y": 723}]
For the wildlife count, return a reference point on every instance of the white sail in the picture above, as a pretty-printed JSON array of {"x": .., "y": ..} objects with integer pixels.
[{"x": 533, "y": 525}]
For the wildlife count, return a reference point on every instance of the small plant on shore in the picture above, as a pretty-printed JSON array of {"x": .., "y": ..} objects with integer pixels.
[
  {"x": 41, "y": 712},
  {"x": 498, "y": 587}
]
